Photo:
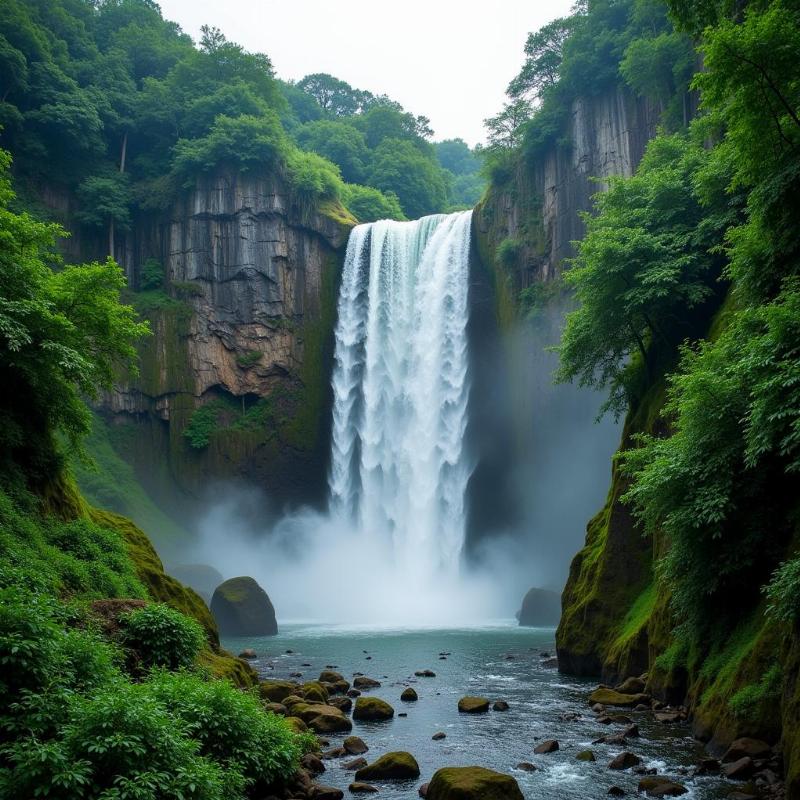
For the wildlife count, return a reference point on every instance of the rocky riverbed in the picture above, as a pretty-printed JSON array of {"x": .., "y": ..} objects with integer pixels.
[{"x": 489, "y": 696}]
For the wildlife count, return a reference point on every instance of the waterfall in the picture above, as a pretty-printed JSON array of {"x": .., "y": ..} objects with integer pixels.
[{"x": 399, "y": 470}]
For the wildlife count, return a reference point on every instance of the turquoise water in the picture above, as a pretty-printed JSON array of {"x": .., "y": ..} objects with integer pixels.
[{"x": 497, "y": 661}]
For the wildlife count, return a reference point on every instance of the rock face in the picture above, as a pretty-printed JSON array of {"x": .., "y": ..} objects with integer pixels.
[
  {"x": 250, "y": 283},
  {"x": 540, "y": 608},
  {"x": 472, "y": 783},
  {"x": 242, "y": 608}
]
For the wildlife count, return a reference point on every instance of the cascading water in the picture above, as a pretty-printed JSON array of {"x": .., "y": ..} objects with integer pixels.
[{"x": 399, "y": 470}]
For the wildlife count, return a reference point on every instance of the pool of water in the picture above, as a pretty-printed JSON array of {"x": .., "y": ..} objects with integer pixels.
[{"x": 498, "y": 661}]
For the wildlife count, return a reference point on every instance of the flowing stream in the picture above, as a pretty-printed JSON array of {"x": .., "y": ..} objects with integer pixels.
[{"x": 398, "y": 464}]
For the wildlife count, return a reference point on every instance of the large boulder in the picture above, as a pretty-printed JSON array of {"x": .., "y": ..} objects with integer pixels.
[
  {"x": 322, "y": 718},
  {"x": 611, "y": 697},
  {"x": 277, "y": 691},
  {"x": 472, "y": 783},
  {"x": 395, "y": 766},
  {"x": 201, "y": 577},
  {"x": 242, "y": 608},
  {"x": 540, "y": 608},
  {"x": 372, "y": 708},
  {"x": 473, "y": 705}
]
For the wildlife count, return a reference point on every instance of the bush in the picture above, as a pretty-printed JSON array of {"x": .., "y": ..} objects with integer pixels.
[
  {"x": 312, "y": 177},
  {"x": 368, "y": 204},
  {"x": 231, "y": 726},
  {"x": 162, "y": 637},
  {"x": 508, "y": 252},
  {"x": 152, "y": 275},
  {"x": 783, "y": 592},
  {"x": 203, "y": 423}
]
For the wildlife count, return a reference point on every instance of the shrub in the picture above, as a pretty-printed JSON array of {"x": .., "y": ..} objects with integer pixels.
[
  {"x": 203, "y": 422},
  {"x": 162, "y": 637},
  {"x": 368, "y": 204},
  {"x": 312, "y": 177},
  {"x": 783, "y": 592},
  {"x": 152, "y": 275},
  {"x": 508, "y": 252}
]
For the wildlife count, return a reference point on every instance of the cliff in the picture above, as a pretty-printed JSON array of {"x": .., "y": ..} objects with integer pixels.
[{"x": 242, "y": 310}]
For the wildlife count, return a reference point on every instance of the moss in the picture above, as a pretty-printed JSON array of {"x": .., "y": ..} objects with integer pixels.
[{"x": 472, "y": 783}]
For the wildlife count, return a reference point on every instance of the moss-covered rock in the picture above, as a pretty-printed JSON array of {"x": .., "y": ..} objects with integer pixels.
[
  {"x": 409, "y": 695},
  {"x": 371, "y": 709},
  {"x": 314, "y": 692},
  {"x": 278, "y": 691},
  {"x": 611, "y": 697},
  {"x": 473, "y": 705},
  {"x": 472, "y": 783},
  {"x": 394, "y": 766},
  {"x": 321, "y": 718},
  {"x": 242, "y": 608}
]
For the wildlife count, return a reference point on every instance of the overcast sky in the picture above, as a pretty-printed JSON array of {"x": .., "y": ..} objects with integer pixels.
[{"x": 450, "y": 60}]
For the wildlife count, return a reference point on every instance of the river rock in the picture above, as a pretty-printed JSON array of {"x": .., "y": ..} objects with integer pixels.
[
  {"x": 296, "y": 724},
  {"x": 631, "y": 732},
  {"x": 362, "y": 682},
  {"x": 540, "y": 608},
  {"x": 423, "y": 790},
  {"x": 355, "y": 745},
  {"x": 438, "y": 736},
  {"x": 370, "y": 709},
  {"x": 659, "y": 786},
  {"x": 362, "y": 788},
  {"x": 248, "y": 654},
  {"x": 585, "y": 755},
  {"x": 322, "y": 718},
  {"x": 610, "y": 697},
  {"x": 313, "y": 763},
  {"x": 344, "y": 704},
  {"x": 473, "y": 705},
  {"x": 631, "y": 686},
  {"x": 547, "y": 746},
  {"x": 314, "y": 692},
  {"x": 472, "y": 783},
  {"x": 625, "y": 760},
  {"x": 409, "y": 695},
  {"x": 276, "y": 708},
  {"x": 500, "y": 705},
  {"x": 326, "y": 793},
  {"x": 333, "y": 753},
  {"x": 242, "y": 608},
  {"x": 616, "y": 791},
  {"x": 740, "y": 769},
  {"x": 277, "y": 691},
  {"x": 526, "y": 766},
  {"x": 355, "y": 764},
  {"x": 352, "y": 693},
  {"x": 394, "y": 766},
  {"x": 746, "y": 746},
  {"x": 425, "y": 673}
]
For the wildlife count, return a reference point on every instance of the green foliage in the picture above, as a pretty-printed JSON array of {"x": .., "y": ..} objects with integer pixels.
[
  {"x": 339, "y": 142},
  {"x": 152, "y": 275},
  {"x": 746, "y": 702},
  {"x": 783, "y": 592},
  {"x": 204, "y": 421},
  {"x": 105, "y": 198},
  {"x": 368, "y": 204},
  {"x": 312, "y": 178},
  {"x": 508, "y": 252},
  {"x": 249, "y": 359},
  {"x": 162, "y": 637},
  {"x": 644, "y": 263}
]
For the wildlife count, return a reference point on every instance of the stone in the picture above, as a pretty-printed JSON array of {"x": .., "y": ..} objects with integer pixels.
[
  {"x": 631, "y": 732},
  {"x": 598, "y": 708},
  {"x": 625, "y": 760},
  {"x": 540, "y": 608},
  {"x": 334, "y": 752},
  {"x": 409, "y": 695},
  {"x": 631, "y": 686},
  {"x": 329, "y": 676},
  {"x": 425, "y": 673},
  {"x": 472, "y": 783},
  {"x": 355, "y": 764},
  {"x": 659, "y": 786},
  {"x": 473, "y": 705},
  {"x": 352, "y": 693},
  {"x": 740, "y": 769},
  {"x": 668, "y": 717},
  {"x": 326, "y": 793},
  {"x": 423, "y": 790},
  {"x": 296, "y": 724},
  {"x": 610, "y": 697},
  {"x": 355, "y": 745},
  {"x": 362, "y": 682},
  {"x": 313, "y": 763},
  {"x": 276, "y": 708},
  {"x": 277, "y": 691},
  {"x": 342, "y": 703},
  {"x": 547, "y": 746},
  {"x": 526, "y": 766},
  {"x": 394, "y": 766},
  {"x": 500, "y": 705},
  {"x": 248, "y": 653},
  {"x": 616, "y": 791},
  {"x": 438, "y": 736},
  {"x": 585, "y": 755},
  {"x": 322, "y": 718},
  {"x": 754, "y": 748},
  {"x": 362, "y": 788},
  {"x": 370, "y": 709},
  {"x": 242, "y": 608},
  {"x": 313, "y": 692}
]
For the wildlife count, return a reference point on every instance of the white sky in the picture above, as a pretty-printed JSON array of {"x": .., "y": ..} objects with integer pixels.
[{"x": 446, "y": 59}]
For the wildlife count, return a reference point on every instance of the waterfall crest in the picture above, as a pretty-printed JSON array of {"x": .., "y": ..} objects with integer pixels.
[{"x": 399, "y": 470}]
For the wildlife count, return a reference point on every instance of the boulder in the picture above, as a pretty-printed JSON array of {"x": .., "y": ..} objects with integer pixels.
[
  {"x": 248, "y": 653},
  {"x": 242, "y": 608},
  {"x": 473, "y": 705},
  {"x": 296, "y": 724},
  {"x": 322, "y": 718},
  {"x": 203, "y": 578},
  {"x": 276, "y": 708},
  {"x": 329, "y": 676},
  {"x": 472, "y": 783},
  {"x": 547, "y": 746},
  {"x": 500, "y": 705},
  {"x": 740, "y": 769},
  {"x": 423, "y": 790},
  {"x": 616, "y": 791},
  {"x": 585, "y": 755},
  {"x": 334, "y": 752},
  {"x": 277, "y": 691},
  {"x": 409, "y": 695},
  {"x": 355, "y": 745},
  {"x": 362, "y": 788},
  {"x": 326, "y": 793},
  {"x": 313, "y": 763},
  {"x": 659, "y": 786},
  {"x": 526, "y": 766},
  {"x": 610, "y": 697},
  {"x": 746, "y": 746},
  {"x": 631, "y": 686},
  {"x": 425, "y": 673},
  {"x": 395, "y": 766},
  {"x": 370, "y": 709},
  {"x": 625, "y": 760},
  {"x": 540, "y": 608},
  {"x": 362, "y": 682},
  {"x": 438, "y": 736},
  {"x": 342, "y": 703},
  {"x": 355, "y": 764},
  {"x": 314, "y": 692}
]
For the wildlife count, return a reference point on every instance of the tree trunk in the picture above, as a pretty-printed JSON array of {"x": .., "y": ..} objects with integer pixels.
[
  {"x": 124, "y": 152},
  {"x": 111, "y": 237}
]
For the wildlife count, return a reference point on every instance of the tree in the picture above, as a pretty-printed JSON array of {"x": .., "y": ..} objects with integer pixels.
[
  {"x": 505, "y": 129},
  {"x": 340, "y": 142},
  {"x": 105, "y": 201},
  {"x": 368, "y": 204},
  {"x": 399, "y": 167},
  {"x": 643, "y": 264},
  {"x": 334, "y": 96},
  {"x": 544, "y": 52}
]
